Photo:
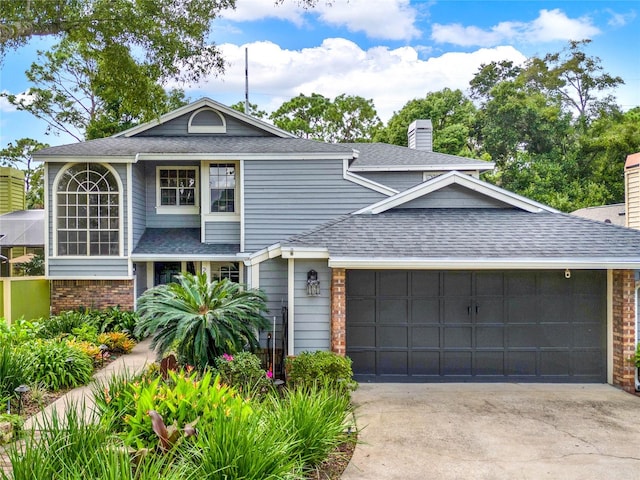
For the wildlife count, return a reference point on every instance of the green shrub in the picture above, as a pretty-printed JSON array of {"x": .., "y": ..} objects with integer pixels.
[
  {"x": 16, "y": 422},
  {"x": 314, "y": 420},
  {"x": 56, "y": 364},
  {"x": 12, "y": 374},
  {"x": 322, "y": 368},
  {"x": 68, "y": 447},
  {"x": 112, "y": 320},
  {"x": 18, "y": 332},
  {"x": 244, "y": 372},
  {"x": 61, "y": 324},
  {"x": 85, "y": 333},
  {"x": 246, "y": 447},
  {"x": 183, "y": 399}
]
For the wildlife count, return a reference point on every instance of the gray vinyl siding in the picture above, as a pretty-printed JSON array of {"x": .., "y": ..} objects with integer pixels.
[
  {"x": 397, "y": 180},
  {"x": 454, "y": 196},
  {"x": 54, "y": 168},
  {"x": 283, "y": 198},
  {"x": 154, "y": 220},
  {"x": 141, "y": 277},
  {"x": 312, "y": 313},
  {"x": 98, "y": 267},
  {"x": 178, "y": 127},
  {"x": 222, "y": 232},
  {"x": 138, "y": 204},
  {"x": 273, "y": 282}
]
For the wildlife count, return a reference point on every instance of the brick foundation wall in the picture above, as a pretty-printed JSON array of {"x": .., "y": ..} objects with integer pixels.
[
  {"x": 338, "y": 311},
  {"x": 624, "y": 329},
  {"x": 91, "y": 294}
]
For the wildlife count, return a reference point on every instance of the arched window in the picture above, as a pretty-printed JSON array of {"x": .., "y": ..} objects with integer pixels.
[{"x": 88, "y": 210}]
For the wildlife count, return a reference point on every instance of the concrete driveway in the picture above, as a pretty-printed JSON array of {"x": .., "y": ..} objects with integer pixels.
[{"x": 495, "y": 431}]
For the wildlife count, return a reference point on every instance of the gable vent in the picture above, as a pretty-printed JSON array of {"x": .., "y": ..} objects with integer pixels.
[
  {"x": 420, "y": 134},
  {"x": 207, "y": 120}
]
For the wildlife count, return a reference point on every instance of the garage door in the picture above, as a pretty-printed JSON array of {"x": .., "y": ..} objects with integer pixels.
[{"x": 536, "y": 326}]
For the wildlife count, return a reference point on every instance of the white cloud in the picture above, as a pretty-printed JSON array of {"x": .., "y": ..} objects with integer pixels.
[
  {"x": 549, "y": 26},
  {"x": 391, "y": 77},
  {"x": 388, "y": 19},
  {"x": 5, "y": 106}
]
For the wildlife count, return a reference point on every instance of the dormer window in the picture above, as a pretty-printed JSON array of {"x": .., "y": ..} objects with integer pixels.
[{"x": 207, "y": 120}]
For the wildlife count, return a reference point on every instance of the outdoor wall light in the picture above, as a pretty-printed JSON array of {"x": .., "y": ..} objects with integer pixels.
[
  {"x": 21, "y": 390},
  {"x": 567, "y": 273},
  {"x": 313, "y": 284}
]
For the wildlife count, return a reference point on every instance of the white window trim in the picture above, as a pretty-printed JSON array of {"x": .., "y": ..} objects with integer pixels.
[
  {"x": 207, "y": 215},
  {"x": 54, "y": 214},
  {"x": 207, "y": 128},
  {"x": 177, "y": 209}
]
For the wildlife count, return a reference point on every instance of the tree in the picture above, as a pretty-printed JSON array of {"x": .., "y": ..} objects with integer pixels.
[
  {"x": 77, "y": 97},
  {"x": 201, "y": 319},
  {"x": 577, "y": 79},
  {"x": 20, "y": 155},
  {"x": 489, "y": 75},
  {"x": 35, "y": 194},
  {"x": 451, "y": 113},
  {"x": 171, "y": 35},
  {"x": 345, "y": 119},
  {"x": 254, "y": 110}
]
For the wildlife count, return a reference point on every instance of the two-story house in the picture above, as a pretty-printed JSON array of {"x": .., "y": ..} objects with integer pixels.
[{"x": 401, "y": 258}]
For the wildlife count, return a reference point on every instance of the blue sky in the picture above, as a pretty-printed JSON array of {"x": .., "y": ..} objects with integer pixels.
[{"x": 390, "y": 51}]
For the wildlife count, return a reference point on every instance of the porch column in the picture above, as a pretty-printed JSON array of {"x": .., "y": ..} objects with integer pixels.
[
  {"x": 624, "y": 329},
  {"x": 338, "y": 311}
]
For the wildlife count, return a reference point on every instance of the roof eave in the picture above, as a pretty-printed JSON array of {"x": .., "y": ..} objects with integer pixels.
[{"x": 475, "y": 263}]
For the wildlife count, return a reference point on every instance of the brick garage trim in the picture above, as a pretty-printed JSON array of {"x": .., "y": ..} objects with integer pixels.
[
  {"x": 624, "y": 329},
  {"x": 338, "y": 311},
  {"x": 91, "y": 294}
]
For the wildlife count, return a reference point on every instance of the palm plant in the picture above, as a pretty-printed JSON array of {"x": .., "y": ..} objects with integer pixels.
[{"x": 201, "y": 320}]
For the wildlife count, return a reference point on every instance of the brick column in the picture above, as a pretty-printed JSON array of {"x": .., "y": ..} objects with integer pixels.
[
  {"x": 338, "y": 311},
  {"x": 624, "y": 329},
  {"x": 91, "y": 294}
]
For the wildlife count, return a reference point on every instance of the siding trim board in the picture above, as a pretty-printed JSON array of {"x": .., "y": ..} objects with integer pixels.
[{"x": 483, "y": 263}]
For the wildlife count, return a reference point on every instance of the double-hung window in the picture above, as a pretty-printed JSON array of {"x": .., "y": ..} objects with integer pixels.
[
  {"x": 177, "y": 190},
  {"x": 222, "y": 187}
]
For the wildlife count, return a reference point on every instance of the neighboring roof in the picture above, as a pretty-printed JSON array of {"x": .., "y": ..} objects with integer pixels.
[
  {"x": 179, "y": 242},
  {"x": 614, "y": 214},
  {"x": 382, "y": 156},
  {"x": 473, "y": 234},
  {"x": 200, "y": 103},
  {"x": 456, "y": 178},
  {"x": 132, "y": 146},
  {"x": 23, "y": 228},
  {"x": 633, "y": 160}
]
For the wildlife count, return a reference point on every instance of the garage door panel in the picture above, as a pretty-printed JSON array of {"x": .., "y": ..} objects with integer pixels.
[
  {"x": 554, "y": 308},
  {"x": 489, "y": 309},
  {"x": 393, "y": 362},
  {"x": 425, "y": 310},
  {"x": 425, "y": 337},
  {"x": 479, "y": 326},
  {"x": 555, "y": 363},
  {"x": 425, "y": 363},
  {"x": 457, "y": 310},
  {"x": 522, "y": 309},
  {"x": 361, "y": 282},
  {"x": 361, "y": 310},
  {"x": 456, "y": 363},
  {"x": 489, "y": 363},
  {"x": 391, "y": 336},
  {"x": 363, "y": 361},
  {"x": 393, "y": 283},
  {"x": 393, "y": 310},
  {"x": 361, "y": 336},
  {"x": 458, "y": 337},
  {"x": 425, "y": 283},
  {"x": 522, "y": 363},
  {"x": 490, "y": 337}
]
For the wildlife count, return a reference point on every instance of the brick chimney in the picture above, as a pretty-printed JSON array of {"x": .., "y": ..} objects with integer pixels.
[
  {"x": 632, "y": 190},
  {"x": 420, "y": 134}
]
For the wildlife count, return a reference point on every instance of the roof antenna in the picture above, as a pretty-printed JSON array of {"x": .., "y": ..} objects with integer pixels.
[{"x": 246, "y": 80}]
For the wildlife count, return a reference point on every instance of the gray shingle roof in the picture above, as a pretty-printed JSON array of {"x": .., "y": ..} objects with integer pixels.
[
  {"x": 130, "y": 146},
  {"x": 465, "y": 233},
  {"x": 23, "y": 228},
  {"x": 382, "y": 154},
  {"x": 179, "y": 241}
]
